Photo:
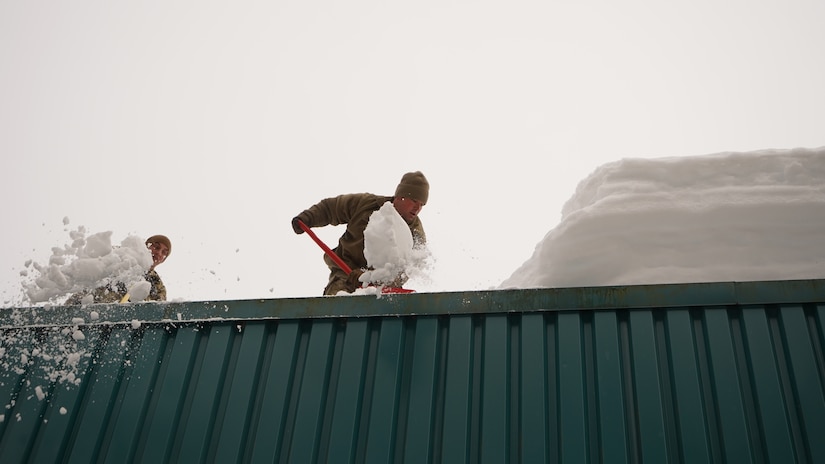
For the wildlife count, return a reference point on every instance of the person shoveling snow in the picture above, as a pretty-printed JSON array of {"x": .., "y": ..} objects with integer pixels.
[
  {"x": 91, "y": 270},
  {"x": 349, "y": 266},
  {"x": 147, "y": 286}
]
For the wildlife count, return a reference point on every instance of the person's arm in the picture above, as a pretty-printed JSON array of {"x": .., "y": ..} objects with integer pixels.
[
  {"x": 158, "y": 289},
  {"x": 76, "y": 298},
  {"x": 331, "y": 211}
]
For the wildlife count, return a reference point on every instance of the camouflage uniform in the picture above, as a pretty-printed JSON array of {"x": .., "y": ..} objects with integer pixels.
[
  {"x": 114, "y": 292},
  {"x": 354, "y": 210}
]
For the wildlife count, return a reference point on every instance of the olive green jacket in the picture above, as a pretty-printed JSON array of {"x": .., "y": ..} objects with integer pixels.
[{"x": 354, "y": 210}]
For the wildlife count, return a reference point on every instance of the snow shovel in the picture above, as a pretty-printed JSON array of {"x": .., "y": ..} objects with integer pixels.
[{"x": 340, "y": 262}]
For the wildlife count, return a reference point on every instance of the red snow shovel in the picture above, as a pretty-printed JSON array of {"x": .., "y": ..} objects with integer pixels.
[{"x": 340, "y": 262}]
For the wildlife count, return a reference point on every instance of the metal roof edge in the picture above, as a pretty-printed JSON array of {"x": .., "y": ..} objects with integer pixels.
[{"x": 440, "y": 303}]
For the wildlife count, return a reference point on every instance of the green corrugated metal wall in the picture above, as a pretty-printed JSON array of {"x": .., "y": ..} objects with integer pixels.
[{"x": 719, "y": 372}]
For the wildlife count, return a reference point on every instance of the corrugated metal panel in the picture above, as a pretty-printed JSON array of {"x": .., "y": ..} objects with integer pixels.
[{"x": 720, "y": 372}]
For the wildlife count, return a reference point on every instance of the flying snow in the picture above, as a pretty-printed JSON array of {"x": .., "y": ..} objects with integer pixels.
[
  {"x": 390, "y": 249},
  {"x": 87, "y": 263}
]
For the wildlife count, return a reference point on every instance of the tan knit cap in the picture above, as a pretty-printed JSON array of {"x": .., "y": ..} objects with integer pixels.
[
  {"x": 160, "y": 239},
  {"x": 414, "y": 185}
]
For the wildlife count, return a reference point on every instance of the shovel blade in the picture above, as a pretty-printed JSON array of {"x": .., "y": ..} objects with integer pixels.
[{"x": 396, "y": 290}]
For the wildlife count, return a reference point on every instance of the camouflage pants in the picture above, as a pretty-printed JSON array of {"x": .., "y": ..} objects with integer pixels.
[{"x": 337, "y": 283}]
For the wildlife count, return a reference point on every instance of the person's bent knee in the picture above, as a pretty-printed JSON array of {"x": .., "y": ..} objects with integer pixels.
[{"x": 334, "y": 286}]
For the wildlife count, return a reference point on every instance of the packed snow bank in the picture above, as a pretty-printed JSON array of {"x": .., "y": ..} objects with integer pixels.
[{"x": 724, "y": 217}]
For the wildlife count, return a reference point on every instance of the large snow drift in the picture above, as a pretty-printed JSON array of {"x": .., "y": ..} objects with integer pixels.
[{"x": 723, "y": 217}]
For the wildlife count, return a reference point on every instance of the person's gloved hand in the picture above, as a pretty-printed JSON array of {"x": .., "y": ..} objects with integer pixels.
[
  {"x": 295, "y": 226},
  {"x": 353, "y": 283}
]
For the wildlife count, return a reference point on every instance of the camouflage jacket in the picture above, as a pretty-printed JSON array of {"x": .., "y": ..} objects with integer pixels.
[{"x": 115, "y": 291}]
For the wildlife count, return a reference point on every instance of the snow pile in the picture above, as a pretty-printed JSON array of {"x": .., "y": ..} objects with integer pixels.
[
  {"x": 390, "y": 250},
  {"x": 724, "y": 217},
  {"x": 87, "y": 263}
]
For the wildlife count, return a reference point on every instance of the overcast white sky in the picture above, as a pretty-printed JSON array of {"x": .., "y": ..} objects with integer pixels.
[{"x": 215, "y": 123}]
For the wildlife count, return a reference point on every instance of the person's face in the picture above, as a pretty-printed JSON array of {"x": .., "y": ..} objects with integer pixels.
[
  {"x": 407, "y": 208},
  {"x": 159, "y": 252}
]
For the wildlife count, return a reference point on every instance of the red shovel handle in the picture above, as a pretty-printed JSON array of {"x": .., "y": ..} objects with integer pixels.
[
  {"x": 324, "y": 247},
  {"x": 341, "y": 262}
]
